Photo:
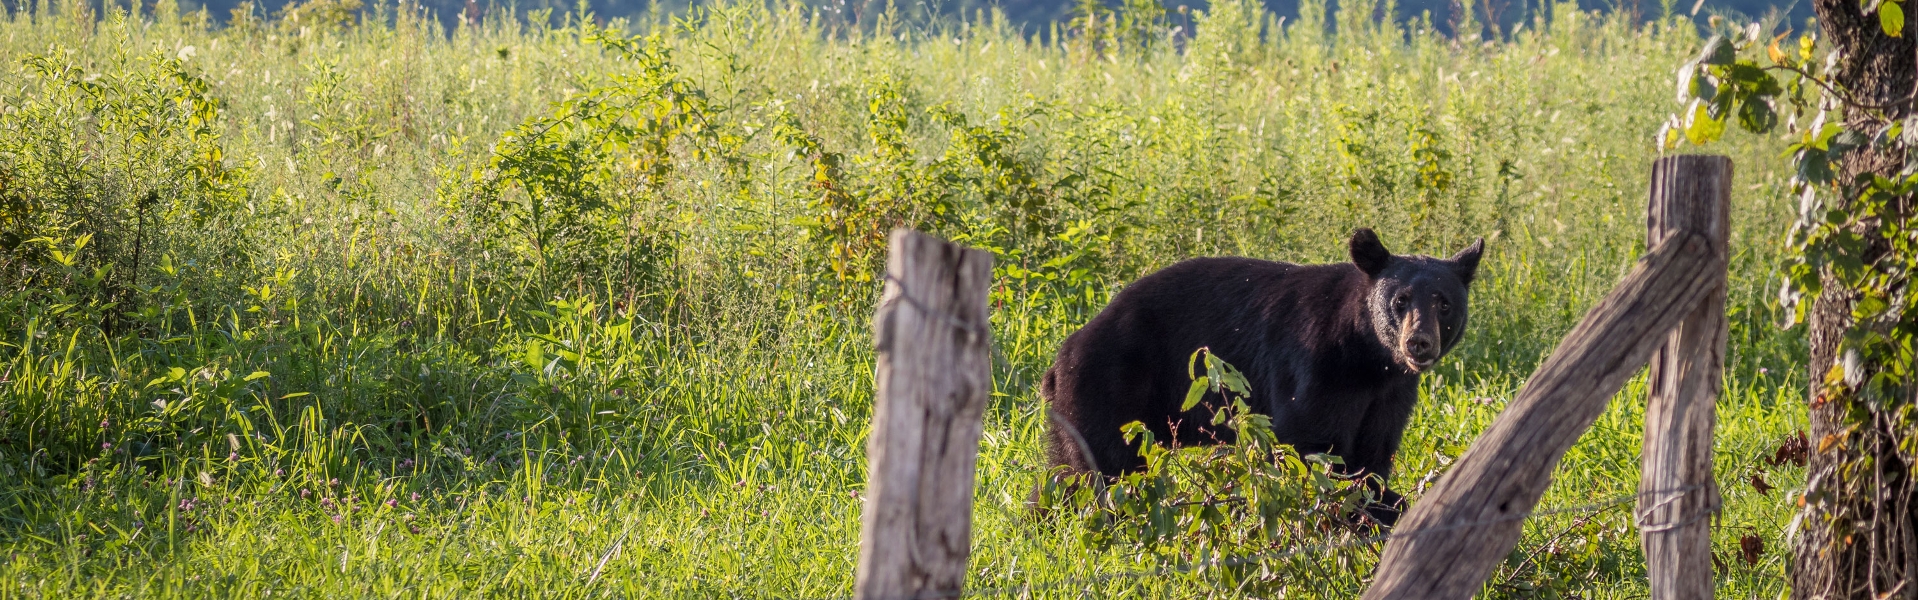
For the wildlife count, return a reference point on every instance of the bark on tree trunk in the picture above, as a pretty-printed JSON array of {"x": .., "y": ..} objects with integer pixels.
[{"x": 1874, "y": 558}]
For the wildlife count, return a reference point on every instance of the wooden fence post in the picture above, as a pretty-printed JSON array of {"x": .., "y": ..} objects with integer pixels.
[
  {"x": 934, "y": 376},
  {"x": 1676, "y": 489},
  {"x": 1453, "y": 537}
]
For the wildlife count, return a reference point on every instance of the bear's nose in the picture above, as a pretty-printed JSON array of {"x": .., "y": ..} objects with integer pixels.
[{"x": 1419, "y": 346}]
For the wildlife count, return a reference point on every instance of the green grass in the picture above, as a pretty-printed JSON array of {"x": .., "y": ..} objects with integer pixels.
[{"x": 455, "y": 403}]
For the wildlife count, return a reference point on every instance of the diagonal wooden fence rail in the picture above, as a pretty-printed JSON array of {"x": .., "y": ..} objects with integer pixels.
[
  {"x": 1507, "y": 469},
  {"x": 934, "y": 376}
]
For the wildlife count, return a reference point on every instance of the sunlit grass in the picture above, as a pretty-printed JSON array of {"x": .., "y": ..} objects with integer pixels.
[{"x": 420, "y": 431}]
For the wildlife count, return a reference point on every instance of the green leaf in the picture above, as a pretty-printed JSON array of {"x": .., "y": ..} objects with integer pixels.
[
  {"x": 1892, "y": 19},
  {"x": 1814, "y": 166},
  {"x": 1756, "y": 116},
  {"x": 256, "y": 375},
  {"x": 1846, "y": 141},
  {"x": 1868, "y": 307},
  {"x": 1196, "y": 393},
  {"x": 1703, "y": 128},
  {"x": 1718, "y": 51},
  {"x": 534, "y": 356}
]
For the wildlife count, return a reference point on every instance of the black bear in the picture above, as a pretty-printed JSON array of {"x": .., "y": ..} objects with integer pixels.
[{"x": 1333, "y": 354}]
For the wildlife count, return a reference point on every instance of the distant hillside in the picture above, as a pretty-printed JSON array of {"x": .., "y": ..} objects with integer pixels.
[{"x": 1038, "y": 15}]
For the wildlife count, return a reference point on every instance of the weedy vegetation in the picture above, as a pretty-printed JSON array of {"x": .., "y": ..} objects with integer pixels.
[{"x": 342, "y": 303}]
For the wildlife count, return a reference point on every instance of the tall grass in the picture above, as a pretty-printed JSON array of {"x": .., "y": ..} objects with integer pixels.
[{"x": 336, "y": 306}]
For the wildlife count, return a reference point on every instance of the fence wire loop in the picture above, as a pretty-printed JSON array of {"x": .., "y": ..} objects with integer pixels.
[
  {"x": 975, "y": 331},
  {"x": 1641, "y": 515}
]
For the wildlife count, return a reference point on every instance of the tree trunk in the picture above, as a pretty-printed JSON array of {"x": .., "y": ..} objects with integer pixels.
[{"x": 1869, "y": 553}]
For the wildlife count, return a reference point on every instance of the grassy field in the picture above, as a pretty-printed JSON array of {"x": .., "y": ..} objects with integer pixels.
[{"x": 326, "y": 307}]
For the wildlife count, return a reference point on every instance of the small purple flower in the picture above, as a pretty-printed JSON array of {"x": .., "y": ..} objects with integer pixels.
[
  {"x": 304, "y": 493},
  {"x": 106, "y": 445},
  {"x": 1762, "y": 370},
  {"x": 415, "y": 497},
  {"x": 392, "y": 503},
  {"x": 232, "y": 456}
]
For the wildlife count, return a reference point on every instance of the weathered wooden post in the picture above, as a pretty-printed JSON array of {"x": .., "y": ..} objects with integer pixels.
[
  {"x": 934, "y": 377},
  {"x": 1676, "y": 489},
  {"x": 1453, "y": 537}
]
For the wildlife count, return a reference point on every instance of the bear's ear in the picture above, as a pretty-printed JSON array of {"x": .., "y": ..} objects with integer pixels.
[
  {"x": 1368, "y": 253},
  {"x": 1465, "y": 263}
]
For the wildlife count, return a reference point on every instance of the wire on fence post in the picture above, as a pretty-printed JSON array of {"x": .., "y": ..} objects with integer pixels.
[{"x": 1692, "y": 194}]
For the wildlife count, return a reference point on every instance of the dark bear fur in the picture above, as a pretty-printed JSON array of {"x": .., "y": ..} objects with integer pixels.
[{"x": 1332, "y": 352}]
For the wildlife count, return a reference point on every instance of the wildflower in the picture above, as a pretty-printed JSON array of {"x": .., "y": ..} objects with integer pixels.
[
  {"x": 232, "y": 456},
  {"x": 415, "y": 497},
  {"x": 279, "y": 472},
  {"x": 106, "y": 445},
  {"x": 392, "y": 503},
  {"x": 335, "y": 482},
  {"x": 304, "y": 493}
]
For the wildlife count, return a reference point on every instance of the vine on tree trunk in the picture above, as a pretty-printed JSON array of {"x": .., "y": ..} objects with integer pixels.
[{"x": 1854, "y": 250}]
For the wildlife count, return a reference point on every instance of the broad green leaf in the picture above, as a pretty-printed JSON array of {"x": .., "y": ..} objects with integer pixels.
[
  {"x": 535, "y": 356},
  {"x": 1814, "y": 166},
  {"x": 1703, "y": 128},
  {"x": 1846, "y": 141},
  {"x": 256, "y": 375},
  {"x": 1868, "y": 307},
  {"x": 1892, "y": 19},
  {"x": 1755, "y": 115},
  {"x": 1718, "y": 51},
  {"x": 1196, "y": 392}
]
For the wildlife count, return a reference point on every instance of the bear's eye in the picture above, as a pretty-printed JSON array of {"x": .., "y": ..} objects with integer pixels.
[
  {"x": 1445, "y": 308},
  {"x": 1398, "y": 302}
]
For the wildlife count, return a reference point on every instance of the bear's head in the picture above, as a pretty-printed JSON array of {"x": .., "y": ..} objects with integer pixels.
[{"x": 1417, "y": 303}]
